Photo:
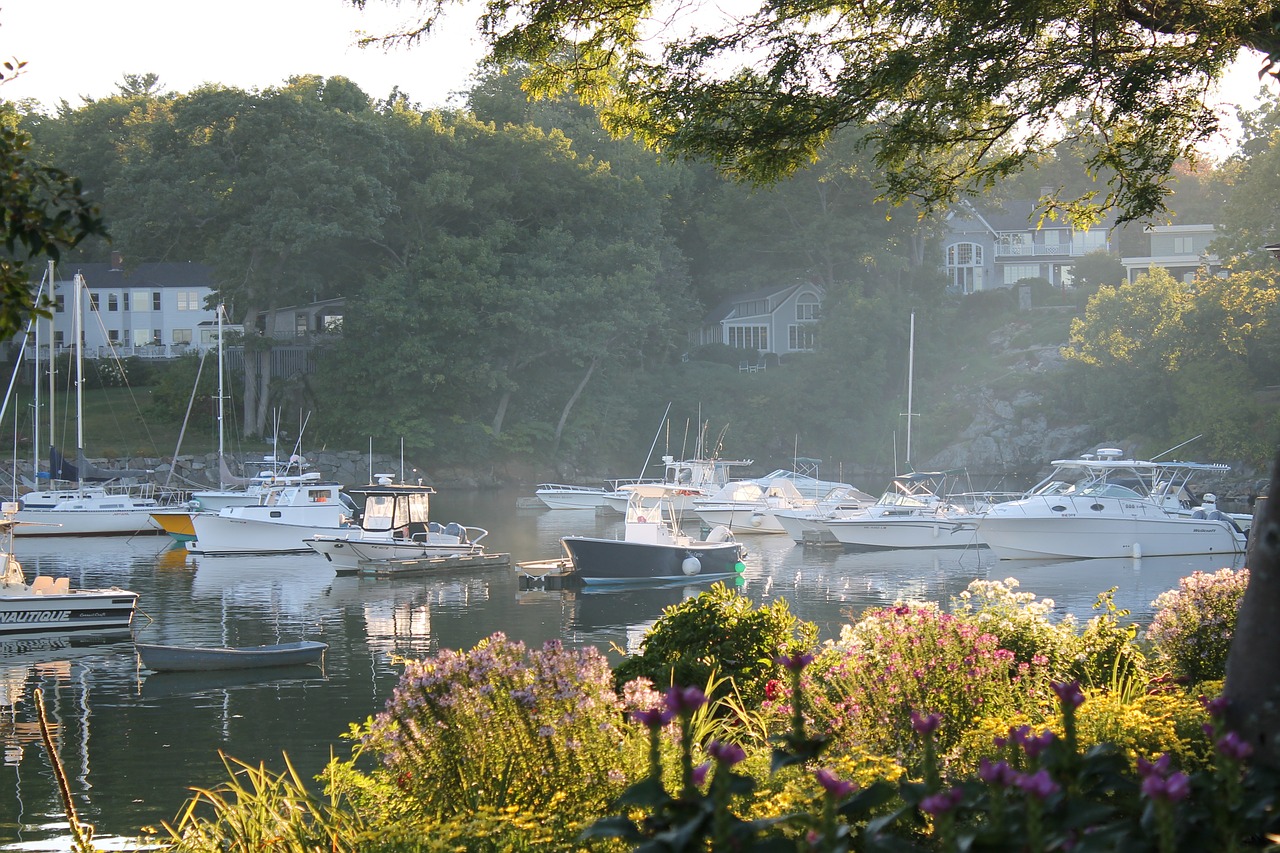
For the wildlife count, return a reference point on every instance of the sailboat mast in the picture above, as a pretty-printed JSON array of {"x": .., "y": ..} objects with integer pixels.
[
  {"x": 911, "y": 374},
  {"x": 53, "y": 369},
  {"x": 222, "y": 466},
  {"x": 77, "y": 321}
]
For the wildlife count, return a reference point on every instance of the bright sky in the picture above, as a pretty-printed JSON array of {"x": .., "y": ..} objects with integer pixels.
[{"x": 85, "y": 47}]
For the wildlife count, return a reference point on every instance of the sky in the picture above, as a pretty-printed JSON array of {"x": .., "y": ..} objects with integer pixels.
[
  {"x": 77, "y": 48},
  {"x": 85, "y": 47}
]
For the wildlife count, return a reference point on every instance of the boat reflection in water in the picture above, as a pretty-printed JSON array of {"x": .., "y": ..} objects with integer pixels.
[{"x": 596, "y": 614}]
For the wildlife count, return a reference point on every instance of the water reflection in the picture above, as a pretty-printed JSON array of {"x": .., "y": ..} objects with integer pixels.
[{"x": 134, "y": 742}]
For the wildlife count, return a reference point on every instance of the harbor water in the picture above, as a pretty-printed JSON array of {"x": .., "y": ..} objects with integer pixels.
[{"x": 133, "y": 743}]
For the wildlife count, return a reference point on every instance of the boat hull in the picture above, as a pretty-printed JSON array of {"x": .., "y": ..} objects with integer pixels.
[
  {"x": 161, "y": 658},
  {"x": 83, "y": 610},
  {"x": 571, "y": 499},
  {"x": 879, "y": 534},
  {"x": 346, "y": 555},
  {"x": 602, "y": 561},
  {"x": 740, "y": 519},
  {"x": 177, "y": 524},
  {"x": 85, "y": 522},
  {"x": 1034, "y": 538},
  {"x": 219, "y": 534}
]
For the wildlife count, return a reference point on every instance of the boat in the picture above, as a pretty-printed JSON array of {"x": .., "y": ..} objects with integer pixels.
[
  {"x": 808, "y": 523},
  {"x": 285, "y": 517},
  {"x": 1104, "y": 505},
  {"x": 913, "y": 513},
  {"x": 747, "y": 506},
  {"x": 395, "y": 524},
  {"x": 99, "y": 504},
  {"x": 653, "y": 546},
  {"x": 49, "y": 604},
  {"x": 690, "y": 479},
  {"x": 566, "y": 496},
  {"x": 162, "y": 658}
]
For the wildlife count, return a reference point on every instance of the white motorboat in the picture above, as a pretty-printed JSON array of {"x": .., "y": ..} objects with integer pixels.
[
  {"x": 49, "y": 604},
  {"x": 689, "y": 480},
  {"x": 810, "y": 523},
  {"x": 395, "y": 524},
  {"x": 286, "y": 517},
  {"x": 653, "y": 547},
  {"x": 748, "y": 506},
  {"x": 1102, "y": 505},
  {"x": 565, "y": 496},
  {"x": 912, "y": 513}
]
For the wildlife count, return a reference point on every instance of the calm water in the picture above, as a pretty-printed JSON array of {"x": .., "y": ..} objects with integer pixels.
[{"x": 132, "y": 744}]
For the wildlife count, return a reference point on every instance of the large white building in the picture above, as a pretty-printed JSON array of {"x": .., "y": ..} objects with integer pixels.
[{"x": 152, "y": 311}]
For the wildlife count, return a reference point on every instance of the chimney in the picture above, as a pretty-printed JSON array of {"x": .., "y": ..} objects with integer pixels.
[{"x": 117, "y": 262}]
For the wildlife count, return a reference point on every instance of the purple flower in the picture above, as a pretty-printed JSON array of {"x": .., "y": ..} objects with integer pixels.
[
  {"x": 942, "y": 802},
  {"x": 1234, "y": 747},
  {"x": 700, "y": 773},
  {"x": 794, "y": 663},
  {"x": 654, "y": 718},
  {"x": 1031, "y": 744},
  {"x": 1216, "y": 707},
  {"x": 999, "y": 773},
  {"x": 925, "y": 725},
  {"x": 1069, "y": 693},
  {"x": 1160, "y": 767},
  {"x": 836, "y": 787},
  {"x": 727, "y": 754},
  {"x": 1039, "y": 784},
  {"x": 1171, "y": 790},
  {"x": 685, "y": 700}
]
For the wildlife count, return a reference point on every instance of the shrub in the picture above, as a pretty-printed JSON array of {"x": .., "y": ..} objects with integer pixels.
[
  {"x": 1192, "y": 629},
  {"x": 719, "y": 634},
  {"x": 499, "y": 726},
  {"x": 913, "y": 657}
]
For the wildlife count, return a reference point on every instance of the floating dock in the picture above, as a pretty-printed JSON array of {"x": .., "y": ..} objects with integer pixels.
[
  {"x": 431, "y": 565},
  {"x": 547, "y": 574}
]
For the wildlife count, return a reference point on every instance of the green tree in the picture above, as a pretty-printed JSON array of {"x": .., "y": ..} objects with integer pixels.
[
  {"x": 956, "y": 96},
  {"x": 46, "y": 213}
]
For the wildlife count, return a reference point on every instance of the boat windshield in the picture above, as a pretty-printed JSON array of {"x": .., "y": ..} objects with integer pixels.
[{"x": 1110, "y": 490}]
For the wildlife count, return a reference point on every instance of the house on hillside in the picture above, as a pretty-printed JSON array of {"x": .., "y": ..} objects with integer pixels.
[
  {"x": 152, "y": 311},
  {"x": 986, "y": 249},
  {"x": 315, "y": 319},
  {"x": 1183, "y": 250},
  {"x": 772, "y": 321}
]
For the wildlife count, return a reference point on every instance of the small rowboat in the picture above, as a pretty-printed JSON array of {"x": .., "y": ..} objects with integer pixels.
[{"x": 205, "y": 658}]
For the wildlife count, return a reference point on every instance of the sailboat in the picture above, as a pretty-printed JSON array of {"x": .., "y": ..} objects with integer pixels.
[
  {"x": 83, "y": 510},
  {"x": 913, "y": 512}
]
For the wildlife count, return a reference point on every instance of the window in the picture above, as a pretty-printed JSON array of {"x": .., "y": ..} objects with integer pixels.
[
  {"x": 58, "y": 339},
  {"x": 753, "y": 308},
  {"x": 155, "y": 300},
  {"x": 802, "y": 337},
  {"x": 124, "y": 301},
  {"x": 964, "y": 267},
  {"x": 208, "y": 336},
  {"x": 749, "y": 337},
  {"x": 333, "y": 324},
  {"x": 113, "y": 335},
  {"x": 93, "y": 301},
  {"x": 182, "y": 336},
  {"x": 113, "y": 302},
  {"x": 1092, "y": 240},
  {"x": 188, "y": 300},
  {"x": 301, "y": 324},
  {"x": 1184, "y": 246},
  {"x": 1053, "y": 237},
  {"x": 141, "y": 337},
  {"x": 141, "y": 299},
  {"x": 60, "y": 303},
  {"x": 807, "y": 308},
  {"x": 1014, "y": 273}
]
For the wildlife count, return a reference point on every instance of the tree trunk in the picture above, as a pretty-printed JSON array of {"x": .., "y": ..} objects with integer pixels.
[
  {"x": 250, "y": 370},
  {"x": 501, "y": 414},
  {"x": 573, "y": 398},
  {"x": 1253, "y": 667}
]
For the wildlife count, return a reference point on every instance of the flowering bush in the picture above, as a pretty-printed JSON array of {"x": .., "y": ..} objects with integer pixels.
[
  {"x": 501, "y": 726},
  {"x": 912, "y": 656},
  {"x": 1192, "y": 629},
  {"x": 1020, "y": 621}
]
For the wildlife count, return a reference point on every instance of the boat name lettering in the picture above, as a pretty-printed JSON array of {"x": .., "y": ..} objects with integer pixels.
[{"x": 35, "y": 616}]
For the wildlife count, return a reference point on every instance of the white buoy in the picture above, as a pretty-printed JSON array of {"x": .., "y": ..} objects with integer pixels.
[{"x": 691, "y": 565}]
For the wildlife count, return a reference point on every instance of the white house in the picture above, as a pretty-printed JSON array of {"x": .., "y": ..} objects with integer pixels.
[
  {"x": 989, "y": 249},
  {"x": 153, "y": 311},
  {"x": 770, "y": 321},
  {"x": 1183, "y": 250}
]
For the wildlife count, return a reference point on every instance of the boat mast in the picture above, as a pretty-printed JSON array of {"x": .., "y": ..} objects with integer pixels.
[
  {"x": 53, "y": 369},
  {"x": 911, "y": 373},
  {"x": 222, "y": 465},
  {"x": 77, "y": 321}
]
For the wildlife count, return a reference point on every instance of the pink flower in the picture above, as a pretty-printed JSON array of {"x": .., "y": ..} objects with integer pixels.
[
  {"x": 1171, "y": 790},
  {"x": 1234, "y": 747},
  {"x": 942, "y": 802},
  {"x": 999, "y": 773},
  {"x": 700, "y": 773},
  {"x": 1069, "y": 693},
  {"x": 1039, "y": 784},
  {"x": 727, "y": 754},
  {"x": 794, "y": 663},
  {"x": 685, "y": 700},
  {"x": 654, "y": 718}
]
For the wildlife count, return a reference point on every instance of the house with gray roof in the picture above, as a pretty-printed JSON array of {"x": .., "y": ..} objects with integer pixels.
[{"x": 773, "y": 321}]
